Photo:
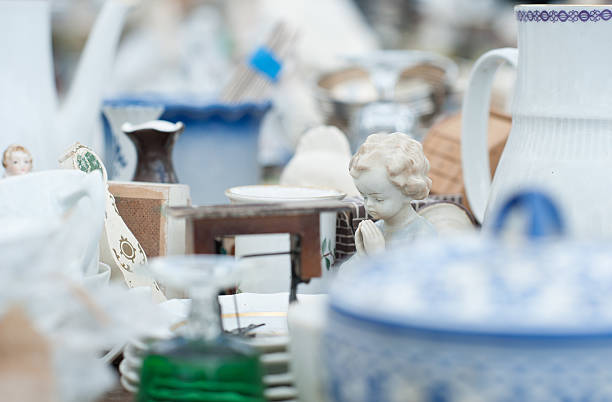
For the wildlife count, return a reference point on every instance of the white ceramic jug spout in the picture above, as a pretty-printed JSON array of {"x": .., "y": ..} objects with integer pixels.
[{"x": 79, "y": 113}]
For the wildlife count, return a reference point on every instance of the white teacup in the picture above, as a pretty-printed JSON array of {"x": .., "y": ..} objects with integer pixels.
[{"x": 273, "y": 274}]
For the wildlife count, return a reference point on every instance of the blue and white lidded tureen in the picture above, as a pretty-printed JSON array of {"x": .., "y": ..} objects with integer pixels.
[{"x": 475, "y": 319}]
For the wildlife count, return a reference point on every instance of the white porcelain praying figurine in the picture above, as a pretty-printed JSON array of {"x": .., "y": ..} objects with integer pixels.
[
  {"x": 17, "y": 160},
  {"x": 390, "y": 170}
]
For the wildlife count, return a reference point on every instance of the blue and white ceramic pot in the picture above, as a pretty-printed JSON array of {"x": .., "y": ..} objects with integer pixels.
[
  {"x": 217, "y": 150},
  {"x": 474, "y": 319}
]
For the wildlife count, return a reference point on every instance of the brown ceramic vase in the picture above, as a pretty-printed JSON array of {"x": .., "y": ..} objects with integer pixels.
[{"x": 154, "y": 142}]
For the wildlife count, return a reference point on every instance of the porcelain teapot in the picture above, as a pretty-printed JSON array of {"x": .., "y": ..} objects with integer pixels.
[
  {"x": 29, "y": 109},
  {"x": 561, "y": 137}
]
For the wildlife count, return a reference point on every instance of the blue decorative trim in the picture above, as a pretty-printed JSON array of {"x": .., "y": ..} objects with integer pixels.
[
  {"x": 193, "y": 108},
  {"x": 469, "y": 333},
  {"x": 564, "y": 15},
  {"x": 264, "y": 61}
]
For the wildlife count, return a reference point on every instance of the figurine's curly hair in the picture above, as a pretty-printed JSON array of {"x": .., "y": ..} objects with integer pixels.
[
  {"x": 13, "y": 148},
  {"x": 403, "y": 158}
]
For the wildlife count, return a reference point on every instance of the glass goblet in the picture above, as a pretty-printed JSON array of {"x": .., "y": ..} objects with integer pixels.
[{"x": 202, "y": 363}]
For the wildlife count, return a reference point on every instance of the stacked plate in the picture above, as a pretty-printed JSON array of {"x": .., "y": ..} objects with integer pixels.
[
  {"x": 129, "y": 368},
  {"x": 274, "y": 359},
  {"x": 275, "y": 362},
  {"x": 242, "y": 310}
]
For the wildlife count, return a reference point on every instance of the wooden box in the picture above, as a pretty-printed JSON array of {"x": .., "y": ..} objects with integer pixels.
[
  {"x": 442, "y": 146},
  {"x": 141, "y": 205}
]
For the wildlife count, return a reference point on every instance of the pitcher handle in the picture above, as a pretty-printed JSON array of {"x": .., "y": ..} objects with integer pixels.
[
  {"x": 474, "y": 122},
  {"x": 539, "y": 210}
]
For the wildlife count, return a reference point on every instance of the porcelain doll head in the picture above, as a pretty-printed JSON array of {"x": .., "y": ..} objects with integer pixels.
[
  {"x": 390, "y": 170},
  {"x": 16, "y": 160}
]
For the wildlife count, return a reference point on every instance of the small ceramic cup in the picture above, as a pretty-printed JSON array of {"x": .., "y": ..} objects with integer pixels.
[{"x": 306, "y": 321}]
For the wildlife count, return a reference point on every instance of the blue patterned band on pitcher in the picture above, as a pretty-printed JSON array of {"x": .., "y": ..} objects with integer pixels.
[
  {"x": 564, "y": 15},
  {"x": 265, "y": 62}
]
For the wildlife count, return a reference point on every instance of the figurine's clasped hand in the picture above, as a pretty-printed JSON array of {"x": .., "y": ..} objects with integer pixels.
[{"x": 368, "y": 238}]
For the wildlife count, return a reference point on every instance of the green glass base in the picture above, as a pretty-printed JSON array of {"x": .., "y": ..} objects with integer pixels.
[{"x": 223, "y": 370}]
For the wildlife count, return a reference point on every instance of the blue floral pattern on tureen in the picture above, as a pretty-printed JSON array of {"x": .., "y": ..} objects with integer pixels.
[
  {"x": 472, "y": 320},
  {"x": 541, "y": 288}
]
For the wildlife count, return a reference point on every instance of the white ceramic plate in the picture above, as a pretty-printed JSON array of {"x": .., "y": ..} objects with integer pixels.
[
  {"x": 135, "y": 353},
  {"x": 276, "y": 193},
  {"x": 132, "y": 371},
  {"x": 129, "y": 373},
  {"x": 275, "y": 358},
  {"x": 272, "y": 380},
  {"x": 280, "y": 393},
  {"x": 266, "y": 344},
  {"x": 130, "y": 387}
]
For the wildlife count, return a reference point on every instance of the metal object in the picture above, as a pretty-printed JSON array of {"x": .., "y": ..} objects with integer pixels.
[
  {"x": 423, "y": 82},
  {"x": 244, "y": 331},
  {"x": 385, "y": 117}
]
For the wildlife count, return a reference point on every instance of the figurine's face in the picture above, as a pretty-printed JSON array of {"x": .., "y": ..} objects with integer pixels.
[
  {"x": 383, "y": 200},
  {"x": 18, "y": 162}
]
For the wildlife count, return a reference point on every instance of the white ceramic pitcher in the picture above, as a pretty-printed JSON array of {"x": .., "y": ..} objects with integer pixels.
[
  {"x": 561, "y": 138},
  {"x": 29, "y": 111}
]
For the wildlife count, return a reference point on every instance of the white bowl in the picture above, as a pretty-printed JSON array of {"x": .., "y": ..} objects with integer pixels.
[{"x": 277, "y": 193}]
